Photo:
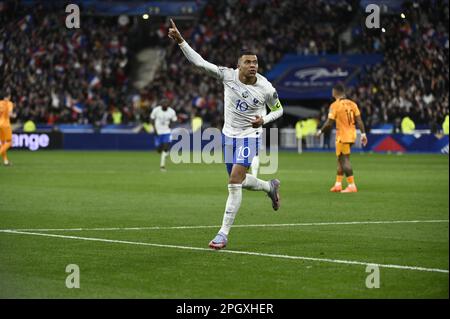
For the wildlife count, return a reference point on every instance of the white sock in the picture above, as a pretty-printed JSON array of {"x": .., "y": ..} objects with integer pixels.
[
  {"x": 163, "y": 158},
  {"x": 252, "y": 183},
  {"x": 255, "y": 166},
  {"x": 232, "y": 207}
]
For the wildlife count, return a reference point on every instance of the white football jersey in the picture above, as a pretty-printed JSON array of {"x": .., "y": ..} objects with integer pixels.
[
  {"x": 162, "y": 119},
  {"x": 242, "y": 102}
]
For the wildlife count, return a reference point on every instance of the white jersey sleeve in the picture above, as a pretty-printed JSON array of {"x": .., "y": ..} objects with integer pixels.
[
  {"x": 197, "y": 60},
  {"x": 174, "y": 116},
  {"x": 153, "y": 114}
]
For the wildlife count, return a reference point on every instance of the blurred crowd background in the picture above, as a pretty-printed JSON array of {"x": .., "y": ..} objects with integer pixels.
[{"x": 85, "y": 76}]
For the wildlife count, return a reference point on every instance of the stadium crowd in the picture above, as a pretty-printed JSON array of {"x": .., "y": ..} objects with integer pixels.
[
  {"x": 308, "y": 27},
  {"x": 413, "y": 80},
  {"x": 59, "y": 75}
]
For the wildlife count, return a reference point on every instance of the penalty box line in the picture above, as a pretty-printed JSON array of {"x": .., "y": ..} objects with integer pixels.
[
  {"x": 234, "y": 226},
  {"x": 249, "y": 253}
]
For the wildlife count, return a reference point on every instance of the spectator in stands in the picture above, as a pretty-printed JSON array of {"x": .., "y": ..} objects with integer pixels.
[
  {"x": 445, "y": 127},
  {"x": 75, "y": 76},
  {"x": 408, "y": 125},
  {"x": 29, "y": 126}
]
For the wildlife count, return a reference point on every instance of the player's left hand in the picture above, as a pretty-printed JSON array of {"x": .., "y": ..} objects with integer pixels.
[
  {"x": 174, "y": 33},
  {"x": 257, "y": 122},
  {"x": 363, "y": 139}
]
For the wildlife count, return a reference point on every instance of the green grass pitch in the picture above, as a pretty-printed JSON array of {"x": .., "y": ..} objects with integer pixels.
[{"x": 65, "y": 190}]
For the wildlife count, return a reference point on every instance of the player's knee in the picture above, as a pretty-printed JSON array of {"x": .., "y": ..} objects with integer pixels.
[
  {"x": 236, "y": 177},
  {"x": 235, "y": 180}
]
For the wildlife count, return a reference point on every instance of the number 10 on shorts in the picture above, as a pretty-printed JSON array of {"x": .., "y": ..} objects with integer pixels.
[{"x": 243, "y": 153}]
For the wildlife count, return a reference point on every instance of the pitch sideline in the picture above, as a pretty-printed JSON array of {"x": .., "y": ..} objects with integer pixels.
[
  {"x": 336, "y": 261},
  {"x": 234, "y": 226}
]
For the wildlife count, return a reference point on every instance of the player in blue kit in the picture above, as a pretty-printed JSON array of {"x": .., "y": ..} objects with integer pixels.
[{"x": 161, "y": 117}]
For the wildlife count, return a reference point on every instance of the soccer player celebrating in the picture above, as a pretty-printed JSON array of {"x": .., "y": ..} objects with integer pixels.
[
  {"x": 246, "y": 94},
  {"x": 6, "y": 108},
  {"x": 345, "y": 113},
  {"x": 160, "y": 118}
]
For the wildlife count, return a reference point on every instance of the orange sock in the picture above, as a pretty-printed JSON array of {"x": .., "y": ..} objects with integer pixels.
[
  {"x": 350, "y": 180},
  {"x": 339, "y": 178}
]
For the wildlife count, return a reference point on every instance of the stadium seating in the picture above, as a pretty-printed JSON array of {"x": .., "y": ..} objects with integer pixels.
[{"x": 59, "y": 75}]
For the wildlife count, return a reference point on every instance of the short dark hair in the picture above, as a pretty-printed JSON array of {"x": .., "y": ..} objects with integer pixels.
[
  {"x": 339, "y": 87},
  {"x": 246, "y": 51}
]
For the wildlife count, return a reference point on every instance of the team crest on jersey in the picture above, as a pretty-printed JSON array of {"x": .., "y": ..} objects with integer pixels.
[{"x": 245, "y": 94}]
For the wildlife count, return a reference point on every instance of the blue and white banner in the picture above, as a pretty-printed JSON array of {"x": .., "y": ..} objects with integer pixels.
[{"x": 312, "y": 77}]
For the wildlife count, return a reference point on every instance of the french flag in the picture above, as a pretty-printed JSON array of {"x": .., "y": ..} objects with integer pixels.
[
  {"x": 68, "y": 101},
  {"x": 23, "y": 23},
  {"x": 78, "y": 107},
  {"x": 78, "y": 40},
  {"x": 94, "y": 81},
  {"x": 162, "y": 31},
  {"x": 199, "y": 101},
  {"x": 38, "y": 52},
  {"x": 59, "y": 68},
  {"x": 90, "y": 95}
]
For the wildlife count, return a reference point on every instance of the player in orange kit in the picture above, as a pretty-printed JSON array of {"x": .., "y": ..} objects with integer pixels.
[
  {"x": 345, "y": 114},
  {"x": 6, "y": 108}
]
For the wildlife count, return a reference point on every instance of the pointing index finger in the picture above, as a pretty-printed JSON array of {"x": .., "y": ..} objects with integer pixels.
[{"x": 173, "y": 24}]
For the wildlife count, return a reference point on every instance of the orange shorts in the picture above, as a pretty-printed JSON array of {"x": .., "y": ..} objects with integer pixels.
[
  {"x": 343, "y": 148},
  {"x": 5, "y": 134}
]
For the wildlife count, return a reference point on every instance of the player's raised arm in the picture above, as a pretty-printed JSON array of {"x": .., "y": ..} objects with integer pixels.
[{"x": 191, "y": 55}]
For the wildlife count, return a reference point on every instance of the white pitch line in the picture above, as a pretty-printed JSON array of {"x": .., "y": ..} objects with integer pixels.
[
  {"x": 234, "y": 226},
  {"x": 336, "y": 261}
]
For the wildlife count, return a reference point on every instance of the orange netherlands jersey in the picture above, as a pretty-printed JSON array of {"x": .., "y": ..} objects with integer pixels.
[
  {"x": 344, "y": 111},
  {"x": 6, "y": 108}
]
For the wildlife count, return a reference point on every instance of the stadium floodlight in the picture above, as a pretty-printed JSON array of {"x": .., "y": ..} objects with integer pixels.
[
  {"x": 145, "y": 16},
  {"x": 403, "y": 16}
]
